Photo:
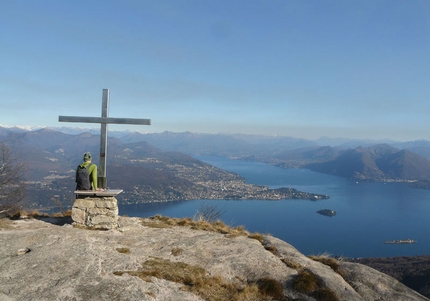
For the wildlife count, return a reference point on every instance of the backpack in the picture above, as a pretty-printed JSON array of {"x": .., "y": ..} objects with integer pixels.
[{"x": 83, "y": 178}]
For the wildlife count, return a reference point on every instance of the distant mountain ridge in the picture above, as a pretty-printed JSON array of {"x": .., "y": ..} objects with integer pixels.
[
  {"x": 54, "y": 155},
  {"x": 234, "y": 144},
  {"x": 145, "y": 172},
  {"x": 376, "y": 163}
]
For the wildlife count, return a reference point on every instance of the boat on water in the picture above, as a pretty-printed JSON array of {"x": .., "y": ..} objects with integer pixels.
[{"x": 400, "y": 241}]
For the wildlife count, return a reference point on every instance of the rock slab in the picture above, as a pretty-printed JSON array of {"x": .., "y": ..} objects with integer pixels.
[{"x": 74, "y": 264}]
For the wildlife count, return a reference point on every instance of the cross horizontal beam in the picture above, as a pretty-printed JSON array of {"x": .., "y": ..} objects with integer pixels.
[{"x": 104, "y": 120}]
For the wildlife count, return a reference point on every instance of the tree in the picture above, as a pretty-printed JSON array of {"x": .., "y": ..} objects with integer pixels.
[
  {"x": 12, "y": 186},
  {"x": 209, "y": 213}
]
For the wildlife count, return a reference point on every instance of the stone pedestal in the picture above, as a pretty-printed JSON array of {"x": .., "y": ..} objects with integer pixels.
[{"x": 96, "y": 213}]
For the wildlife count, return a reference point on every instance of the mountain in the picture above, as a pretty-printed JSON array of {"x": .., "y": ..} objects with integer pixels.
[
  {"x": 145, "y": 172},
  {"x": 421, "y": 147},
  {"x": 235, "y": 145},
  {"x": 219, "y": 144},
  {"x": 380, "y": 162},
  {"x": 298, "y": 157},
  {"x": 159, "y": 167},
  {"x": 47, "y": 151}
]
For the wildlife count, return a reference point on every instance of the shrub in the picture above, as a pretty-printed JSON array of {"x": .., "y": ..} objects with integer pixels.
[
  {"x": 12, "y": 185},
  {"x": 209, "y": 213}
]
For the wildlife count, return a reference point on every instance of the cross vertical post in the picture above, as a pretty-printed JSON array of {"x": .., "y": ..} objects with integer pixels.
[
  {"x": 102, "y": 181},
  {"x": 104, "y": 120}
]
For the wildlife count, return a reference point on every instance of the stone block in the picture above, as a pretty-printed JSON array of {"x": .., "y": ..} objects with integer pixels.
[
  {"x": 84, "y": 203},
  {"x": 99, "y": 211},
  {"x": 78, "y": 215},
  {"x": 106, "y": 203},
  {"x": 96, "y": 212}
]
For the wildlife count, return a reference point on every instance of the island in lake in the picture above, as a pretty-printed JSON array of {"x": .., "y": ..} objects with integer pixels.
[{"x": 327, "y": 212}]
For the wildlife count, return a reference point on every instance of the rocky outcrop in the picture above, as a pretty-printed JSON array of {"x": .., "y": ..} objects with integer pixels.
[{"x": 131, "y": 263}]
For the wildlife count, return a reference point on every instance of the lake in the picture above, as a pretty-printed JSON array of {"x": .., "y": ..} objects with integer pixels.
[{"x": 367, "y": 213}]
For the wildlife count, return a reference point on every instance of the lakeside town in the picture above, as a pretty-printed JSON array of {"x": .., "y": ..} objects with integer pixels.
[{"x": 193, "y": 181}]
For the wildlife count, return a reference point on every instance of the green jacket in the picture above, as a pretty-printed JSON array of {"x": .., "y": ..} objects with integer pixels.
[{"x": 92, "y": 172}]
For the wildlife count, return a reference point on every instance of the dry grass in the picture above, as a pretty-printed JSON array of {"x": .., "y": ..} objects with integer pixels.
[
  {"x": 123, "y": 250},
  {"x": 196, "y": 280},
  {"x": 5, "y": 223},
  {"x": 33, "y": 214},
  {"x": 152, "y": 294},
  {"x": 159, "y": 221},
  {"x": 25, "y": 214},
  {"x": 271, "y": 248},
  {"x": 218, "y": 226},
  {"x": 62, "y": 214},
  {"x": 327, "y": 260},
  {"x": 310, "y": 284},
  {"x": 324, "y": 294},
  {"x": 271, "y": 287},
  {"x": 256, "y": 236},
  {"x": 177, "y": 251},
  {"x": 292, "y": 264},
  {"x": 305, "y": 282}
]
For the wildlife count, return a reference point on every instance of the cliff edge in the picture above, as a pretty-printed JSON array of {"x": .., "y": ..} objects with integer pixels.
[{"x": 166, "y": 259}]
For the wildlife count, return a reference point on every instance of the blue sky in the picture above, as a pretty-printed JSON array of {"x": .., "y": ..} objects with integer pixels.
[{"x": 352, "y": 69}]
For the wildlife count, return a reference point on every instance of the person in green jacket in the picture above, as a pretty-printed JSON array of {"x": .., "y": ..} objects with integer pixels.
[{"x": 92, "y": 173}]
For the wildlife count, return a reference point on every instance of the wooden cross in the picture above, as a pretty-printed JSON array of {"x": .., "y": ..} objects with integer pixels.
[{"x": 104, "y": 120}]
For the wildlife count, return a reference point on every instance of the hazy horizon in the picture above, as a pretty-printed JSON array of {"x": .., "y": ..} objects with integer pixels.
[
  {"x": 304, "y": 69},
  {"x": 95, "y": 130}
]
